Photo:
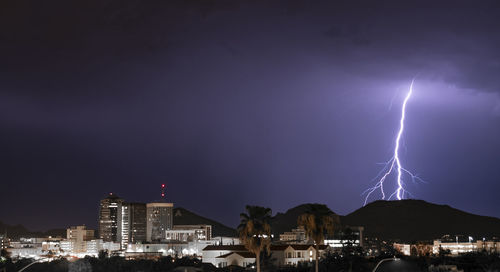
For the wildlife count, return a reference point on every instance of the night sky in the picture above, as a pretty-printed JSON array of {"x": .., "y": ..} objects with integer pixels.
[{"x": 273, "y": 103}]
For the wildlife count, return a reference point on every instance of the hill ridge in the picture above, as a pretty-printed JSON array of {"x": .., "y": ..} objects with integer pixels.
[{"x": 417, "y": 220}]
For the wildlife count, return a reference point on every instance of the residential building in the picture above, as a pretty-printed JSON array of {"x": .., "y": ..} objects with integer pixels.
[
  {"x": 242, "y": 259},
  {"x": 286, "y": 255},
  {"x": 283, "y": 255},
  {"x": 109, "y": 213},
  {"x": 211, "y": 253}
]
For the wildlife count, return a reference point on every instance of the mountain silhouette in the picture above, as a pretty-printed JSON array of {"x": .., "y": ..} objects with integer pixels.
[
  {"x": 186, "y": 217},
  {"x": 417, "y": 220},
  {"x": 287, "y": 221}
]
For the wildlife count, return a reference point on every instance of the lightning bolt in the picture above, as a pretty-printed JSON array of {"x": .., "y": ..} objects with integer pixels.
[{"x": 394, "y": 164}]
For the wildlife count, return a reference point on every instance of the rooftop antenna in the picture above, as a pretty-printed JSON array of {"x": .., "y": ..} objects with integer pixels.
[{"x": 163, "y": 192}]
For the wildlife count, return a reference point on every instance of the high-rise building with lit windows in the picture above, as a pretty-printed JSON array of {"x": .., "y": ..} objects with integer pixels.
[
  {"x": 132, "y": 223},
  {"x": 160, "y": 219},
  {"x": 109, "y": 214}
]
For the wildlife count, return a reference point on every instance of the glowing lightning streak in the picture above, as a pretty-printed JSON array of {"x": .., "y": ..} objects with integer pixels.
[
  {"x": 394, "y": 162},
  {"x": 400, "y": 189}
]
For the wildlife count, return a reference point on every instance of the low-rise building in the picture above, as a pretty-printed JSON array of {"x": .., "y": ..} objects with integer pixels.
[
  {"x": 164, "y": 249},
  {"x": 188, "y": 233},
  {"x": 79, "y": 235},
  {"x": 51, "y": 246},
  {"x": 4, "y": 242},
  {"x": 224, "y": 240},
  {"x": 347, "y": 236},
  {"x": 66, "y": 247},
  {"x": 25, "y": 252},
  {"x": 418, "y": 249},
  {"x": 460, "y": 247},
  {"x": 26, "y": 248},
  {"x": 488, "y": 246},
  {"x": 295, "y": 236},
  {"x": 287, "y": 255},
  {"x": 242, "y": 259}
]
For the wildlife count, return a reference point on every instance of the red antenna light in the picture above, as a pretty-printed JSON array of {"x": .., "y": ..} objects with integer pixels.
[
  {"x": 163, "y": 186},
  {"x": 163, "y": 191}
]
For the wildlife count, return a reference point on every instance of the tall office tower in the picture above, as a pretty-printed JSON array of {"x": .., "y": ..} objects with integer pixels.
[
  {"x": 132, "y": 224},
  {"x": 109, "y": 213},
  {"x": 160, "y": 216}
]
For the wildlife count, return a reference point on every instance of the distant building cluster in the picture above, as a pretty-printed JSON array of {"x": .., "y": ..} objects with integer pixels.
[
  {"x": 148, "y": 231},
  {"x": 129, "y": 229},
  {"x": 125, "y": 223}
]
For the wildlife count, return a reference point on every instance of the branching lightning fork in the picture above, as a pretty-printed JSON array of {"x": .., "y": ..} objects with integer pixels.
[{"x": 394, "y": 164}]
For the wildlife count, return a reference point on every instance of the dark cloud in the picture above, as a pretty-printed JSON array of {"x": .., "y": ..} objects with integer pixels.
[{"x": 271, "y": 103}]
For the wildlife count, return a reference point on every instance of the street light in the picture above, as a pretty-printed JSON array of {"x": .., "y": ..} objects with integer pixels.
[
  {"x": 384, "y": 260},
  {"x": 34, "y": 262}
]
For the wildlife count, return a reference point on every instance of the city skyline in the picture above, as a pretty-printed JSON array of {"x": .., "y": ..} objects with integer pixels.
[{"x": 236, "y": 103}]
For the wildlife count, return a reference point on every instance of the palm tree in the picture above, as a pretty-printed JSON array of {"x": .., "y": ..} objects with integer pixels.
[
  {"x": 317, "y": 221},
  {"x": 255, "y": 231}
]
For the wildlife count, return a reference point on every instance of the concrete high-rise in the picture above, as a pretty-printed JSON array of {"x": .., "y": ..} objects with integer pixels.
[
  {"x": 109, "y": 213},
  {"x": 160, "y": 219},
  {"x": 132, "y": 224}
]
